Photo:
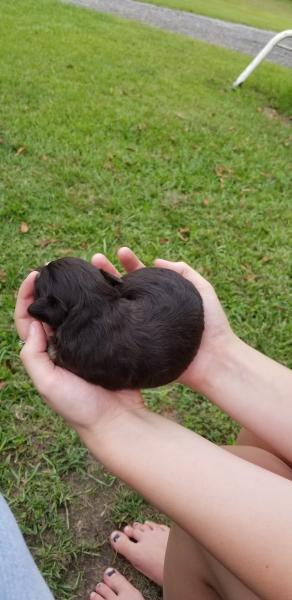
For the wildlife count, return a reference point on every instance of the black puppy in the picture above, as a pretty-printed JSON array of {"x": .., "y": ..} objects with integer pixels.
[{"x": 139, "y": 331}]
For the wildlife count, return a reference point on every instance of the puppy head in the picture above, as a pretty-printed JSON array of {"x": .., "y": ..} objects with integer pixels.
[
  {"x": 49, "y": 309},
  {"x": 70, "y": 283}
]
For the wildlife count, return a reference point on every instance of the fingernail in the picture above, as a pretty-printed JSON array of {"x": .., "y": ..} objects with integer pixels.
[
  {"x": 115, "y": 537},
  {"x": 110, "y": 572},
  {"x": 92, "y": 595}
]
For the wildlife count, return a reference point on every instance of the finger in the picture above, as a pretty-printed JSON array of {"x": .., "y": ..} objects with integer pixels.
[
  {"x": 25, "y": 297},
  {"x": 34, "y": 356},
  {"x": 129, "y": 260},
  {"x": 101, "y": 262},
  {"x": 184, "y": 270}
]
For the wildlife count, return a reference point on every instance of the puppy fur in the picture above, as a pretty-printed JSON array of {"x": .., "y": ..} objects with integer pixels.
[{"x": 139, "y": 331}]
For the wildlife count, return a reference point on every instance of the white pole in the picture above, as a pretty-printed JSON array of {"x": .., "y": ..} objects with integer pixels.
[{"x": 260, "y": 56}]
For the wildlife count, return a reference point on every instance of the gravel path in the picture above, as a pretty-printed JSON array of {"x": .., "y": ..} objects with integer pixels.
[{"x": 247, "y": 40}]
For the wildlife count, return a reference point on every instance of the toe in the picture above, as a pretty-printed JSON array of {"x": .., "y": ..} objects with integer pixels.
[
  {"x": 121, "y": 543},
  {"x": 139, "y": 526},
  {"x": 116, "y": 582},
  {"x": 104, "y": 591},
  {"x": 155, "y": 526},
  {"x": 95, "y": 596},
  {"x": 133, "y": 532},
  {"x": 151, "y": 525}
]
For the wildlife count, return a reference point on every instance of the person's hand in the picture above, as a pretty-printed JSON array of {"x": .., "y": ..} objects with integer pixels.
[
  {"x": 217, "y": 336},
  {"x": 83, "y": 405}
]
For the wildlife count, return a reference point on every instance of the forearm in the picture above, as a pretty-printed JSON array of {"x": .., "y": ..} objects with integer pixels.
[
  {"x": 255, "y": 391},
  {"x": 219, "y": 499}
]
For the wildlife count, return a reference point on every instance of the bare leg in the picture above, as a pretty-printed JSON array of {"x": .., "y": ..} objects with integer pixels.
[
  {"x": 247, "y": 438},
  {"x": 186, "y": 568},
  {"x": 190, "y": 571}
]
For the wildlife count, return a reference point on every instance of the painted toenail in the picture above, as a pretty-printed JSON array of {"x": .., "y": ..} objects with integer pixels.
[
  {"x": 110, "y": 572},
  {"x": 115, "y": 537}
]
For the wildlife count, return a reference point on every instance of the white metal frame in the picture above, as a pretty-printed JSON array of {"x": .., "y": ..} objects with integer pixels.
[{"x": 261, "y": 55}]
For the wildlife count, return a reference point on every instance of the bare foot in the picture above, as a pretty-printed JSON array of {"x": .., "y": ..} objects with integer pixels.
[
  {"x": 144, "y": 546},
  {"x": 114, "y": 584}
]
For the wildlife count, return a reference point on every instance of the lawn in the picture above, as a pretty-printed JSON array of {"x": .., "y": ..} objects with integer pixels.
[
  {"x": 114, "y": 133},
  {"x": 275, "y": 15}
]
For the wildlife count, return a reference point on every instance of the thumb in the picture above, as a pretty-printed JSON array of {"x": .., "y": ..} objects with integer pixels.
[
  {"x": 36, "y": 340},
  {"x": 34, "y": 355}
]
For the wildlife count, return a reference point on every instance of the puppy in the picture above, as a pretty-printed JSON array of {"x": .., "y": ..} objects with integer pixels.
[{"x": 138, "y": 331}]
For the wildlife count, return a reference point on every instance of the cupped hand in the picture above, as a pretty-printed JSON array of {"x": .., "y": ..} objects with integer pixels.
[
  {"x": 217, "y": 336},
  {"x": 83, "y": 405}
]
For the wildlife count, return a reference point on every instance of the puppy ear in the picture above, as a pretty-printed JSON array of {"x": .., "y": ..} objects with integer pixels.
[
  {"x": 48, "y": 309},
  {"x": 112, "y": 279}
]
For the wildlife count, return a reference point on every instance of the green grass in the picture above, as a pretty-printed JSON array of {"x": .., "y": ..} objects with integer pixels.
[
  {"x": 115, "y": 133},
  {"x": 275, "y": 15}
]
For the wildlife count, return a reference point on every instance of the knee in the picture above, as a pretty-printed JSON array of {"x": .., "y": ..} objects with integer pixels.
[{"x": 261, "y": 458}]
